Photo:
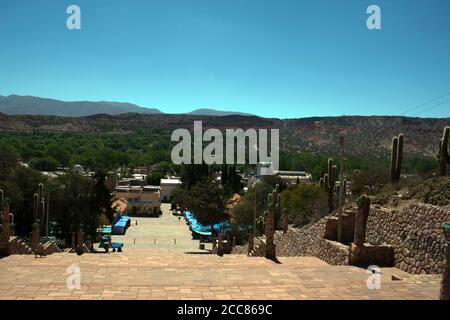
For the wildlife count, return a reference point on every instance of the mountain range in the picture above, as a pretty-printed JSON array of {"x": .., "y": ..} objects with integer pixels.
[{"x": 29, "y": 105}]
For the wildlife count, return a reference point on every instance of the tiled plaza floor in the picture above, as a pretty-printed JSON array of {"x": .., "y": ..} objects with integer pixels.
[
  {"x": 146, "y": 270},
  {"x": 166, "y": 233},
  {"x": 162, "y": 275}
]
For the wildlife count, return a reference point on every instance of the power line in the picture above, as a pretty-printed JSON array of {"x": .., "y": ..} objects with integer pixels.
[
  {"x": 425, "y": 103},
  {"x": 432, "y": 107}
]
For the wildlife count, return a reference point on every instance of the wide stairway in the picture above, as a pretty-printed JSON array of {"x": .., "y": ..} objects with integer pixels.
[{"x": 158, "y": 274}]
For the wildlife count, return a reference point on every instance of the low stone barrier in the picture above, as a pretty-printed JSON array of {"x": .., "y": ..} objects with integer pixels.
[{"x": 413, "y": 232}]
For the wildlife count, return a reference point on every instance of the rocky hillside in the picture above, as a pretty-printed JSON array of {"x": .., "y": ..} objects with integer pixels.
[{"x": 363, "y": 135}]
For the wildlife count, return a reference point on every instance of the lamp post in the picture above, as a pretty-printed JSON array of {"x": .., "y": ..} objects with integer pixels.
[{"x": 445, "y": 282}]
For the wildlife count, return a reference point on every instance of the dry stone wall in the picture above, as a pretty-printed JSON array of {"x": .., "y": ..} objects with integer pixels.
[
  {"x": 414, "y": 231},
  {"x": 307, "y": 241}
]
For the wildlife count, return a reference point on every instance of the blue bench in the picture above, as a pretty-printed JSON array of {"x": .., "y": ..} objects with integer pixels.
[{"x": 113, "y": 245}]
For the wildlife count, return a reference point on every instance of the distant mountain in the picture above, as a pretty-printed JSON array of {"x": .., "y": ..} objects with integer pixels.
[
  {"x": 213, "y": 112},
  {"x": 28, "y": 105}
]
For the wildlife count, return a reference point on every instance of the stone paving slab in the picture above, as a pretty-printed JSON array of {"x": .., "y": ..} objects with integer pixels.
[
  {"x": 166, "y": 233},
  {"x": 162, "y": 275}
]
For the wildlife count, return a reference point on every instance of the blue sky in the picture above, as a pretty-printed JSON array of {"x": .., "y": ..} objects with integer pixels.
[{"x": 273, "y": 58}]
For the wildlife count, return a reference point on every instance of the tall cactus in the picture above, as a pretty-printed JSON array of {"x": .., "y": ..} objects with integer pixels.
[
  {"x": 329, "y": 182},
  {"x": 35, "y": 206},
  {"x": 40, "y": 209},
  {"x": 273, "y": 209},
  {"x": 277, "y": 205},
  {"x": 35, "y": 235},
  {"x": 6, "y": 231},
  {"x": 443, "y": 154},
  {"x": 362, "y": 215},
  {"x": 270, "y": 233},
  {"x": 396, "y": 158},
  {"x": 41, "y": 191}
]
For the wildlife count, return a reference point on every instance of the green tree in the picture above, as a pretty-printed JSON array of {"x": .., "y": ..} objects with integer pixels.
[
  {"x": 155, "y": 177},
  {"x": 44, "y": 164},
  {"x": 208, "y": 201},
  {"x": 304, "y": 203}
]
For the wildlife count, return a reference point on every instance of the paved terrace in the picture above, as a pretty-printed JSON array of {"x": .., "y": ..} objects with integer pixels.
[
  {"x": 166, "y": 233},
  {"x": 162, "y": 275},
  {"x": 146, "y": 270}
]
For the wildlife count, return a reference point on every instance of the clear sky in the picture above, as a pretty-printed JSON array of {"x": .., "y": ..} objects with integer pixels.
[{"x": 273, "y": 58}]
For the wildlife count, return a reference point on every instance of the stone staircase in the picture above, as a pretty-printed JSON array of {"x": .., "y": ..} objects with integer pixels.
[
  {"x": 47, "y": 248},
  {"x": 18, "y": 246}
]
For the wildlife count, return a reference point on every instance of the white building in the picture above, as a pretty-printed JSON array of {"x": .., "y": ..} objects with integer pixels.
[
  {"x": 294, "y": 177},
  {"x": 264, "y": 169},
  {"x": 289, "y": 177},
  {"x": 167, "y": 186}
]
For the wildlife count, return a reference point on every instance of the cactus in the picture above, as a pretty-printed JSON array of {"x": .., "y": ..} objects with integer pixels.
[
  {"x": 80, "y": 239},
  {"x": 41, "y": 190},
  {"x": 443, "y": 154},
  {"x": 35, "y": 235},
  {"x": 272, "y": 215},
  {"x": 396, "y": 158},
  {"x": 269, "y": 233},
  {"x": 42, "y": 209},
  {"x": 35, "y": 206},
  {"x": 6, "y": 231},
  {"x": 329, "y": 181},
  {"x": 277, "y": 205},
  {"x": 250, "y": 244},
  {"x": 274, "y": 204},
  {"x": 362, "y": 215}
]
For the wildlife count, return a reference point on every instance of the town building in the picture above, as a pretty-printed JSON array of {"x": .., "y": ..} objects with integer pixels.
[
  {"x": 141, "y": 201},
  {"x": 294, "y": 177},
  {"x": 289, "y": 177},
  {"x": 167, "y": 186}
]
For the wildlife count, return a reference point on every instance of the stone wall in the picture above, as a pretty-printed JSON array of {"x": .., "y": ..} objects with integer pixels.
[
  {"x": 307, "y": 241},
  {"x": 414, "y": 231}
]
